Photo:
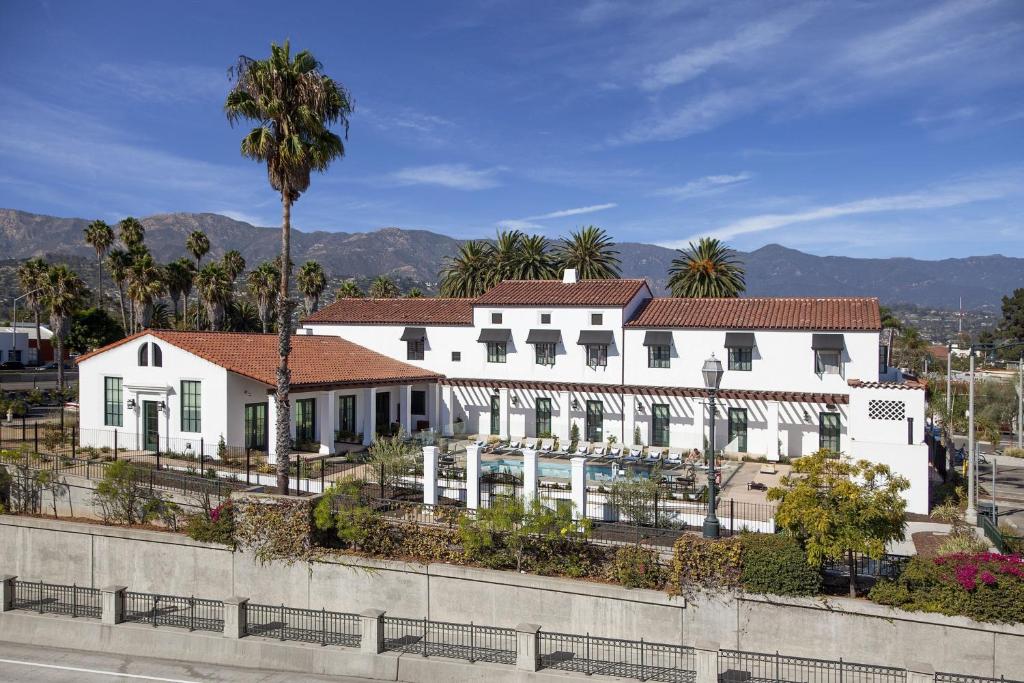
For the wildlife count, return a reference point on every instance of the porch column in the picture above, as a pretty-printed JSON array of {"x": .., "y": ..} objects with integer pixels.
[
  {"x": 271, "y": 428},
  {"x": 435, "y": 410},
  {"x": 628, "y": 419},
  {"x": 772, "y": 433},
  {"x": 503, "y": 429},
  {"x": 700, "y": 418},
  {"x": 405, "y": 417},
  {"x": 529, "y": 475},
  {"x": 448, "y": 409},
  {"x": 579, "y": 488},
  {"x": 370, "y": 425},
  {"x": 328, "y": 419},
  {"x": 472, "y": 477},
  {"x": 561, "y": 426},
  {"x": 430, "y": 475}
]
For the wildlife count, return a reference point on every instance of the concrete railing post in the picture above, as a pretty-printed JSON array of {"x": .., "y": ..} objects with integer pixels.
[
  {"x": 527, "y": 650},
  {"x": 372, "y": 640},
  {"x": 236, "y": 617},
  {"x": 529, "y": 475},
  {"x": 920, "y": 673},
  {"x": 7, "y": 593},
  {"x": 430, "y": 475},
  {"x": 472, "y": 477},
  {"x": 706, "y": 662},
  {"x": 113, "y": 604},
  {"x": 579, "y": 488}
]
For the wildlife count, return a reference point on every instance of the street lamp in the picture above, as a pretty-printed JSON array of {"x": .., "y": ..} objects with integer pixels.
[{"x": 712, "y": 372}]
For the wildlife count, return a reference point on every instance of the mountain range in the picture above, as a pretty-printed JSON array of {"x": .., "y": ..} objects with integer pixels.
[{"x": 416, "y": 256}]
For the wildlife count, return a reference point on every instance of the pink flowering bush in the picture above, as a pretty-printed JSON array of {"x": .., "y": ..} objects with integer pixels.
[{"x": 982, "y": 586}]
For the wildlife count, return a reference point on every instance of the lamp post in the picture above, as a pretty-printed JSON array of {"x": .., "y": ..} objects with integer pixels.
[
  {"x": 971, "y": 513},
  {"x": 712, "y": 372}
]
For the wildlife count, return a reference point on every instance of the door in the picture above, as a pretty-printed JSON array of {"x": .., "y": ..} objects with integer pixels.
[
  {"x": 383, "y": 412},
  {"x": 595, "y": 421},
  {"x": 738, "y": 428},
  {"x": 305, "y": 421},
  {"x": 659, "y": 425},
  {"x": 543, "y": 426},
  {"x": 151, "y": 425},
  {"x": 828, "y": 432},
  {"x": 347, "y": 417},
  {"x": 495, "y": 414},
  {"x": 256, "y": 426}
]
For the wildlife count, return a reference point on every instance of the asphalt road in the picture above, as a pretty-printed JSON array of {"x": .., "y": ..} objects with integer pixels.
[{"x": 31, "y": 664}]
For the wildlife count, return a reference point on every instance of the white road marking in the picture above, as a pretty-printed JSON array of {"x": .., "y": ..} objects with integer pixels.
[{"x": 95, "y": 671}]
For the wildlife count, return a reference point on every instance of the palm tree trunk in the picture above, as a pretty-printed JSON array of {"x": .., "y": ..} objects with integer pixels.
[
  {"x": 58, "y": 334},
  {"x": 283, "y": 417},
  {"x": 120, "y": 301},
  {"x": 39, "y": 339}
]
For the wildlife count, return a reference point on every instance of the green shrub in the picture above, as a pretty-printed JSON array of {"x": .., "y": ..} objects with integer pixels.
[
  {"x": 635, "y": 566},
  {"x": 1014, "y": 452},
  {"x": 776, "y": 564},
  {"x": 215, "y": 526},
  {"x": 704, "y": 564}
]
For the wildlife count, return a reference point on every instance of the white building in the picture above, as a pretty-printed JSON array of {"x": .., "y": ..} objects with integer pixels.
[{"x": 18, "y": 343}]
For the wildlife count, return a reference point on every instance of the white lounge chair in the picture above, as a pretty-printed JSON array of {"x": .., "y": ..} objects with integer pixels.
[
  {"x": 653, "y": 454},
  {"x": 547, "y": 445},
  {"x": 674, "y": 457},
  {"x": 599, "y": 450},
  {"x": 513, "y": 444},
  {"x": 614, "y": 451}
]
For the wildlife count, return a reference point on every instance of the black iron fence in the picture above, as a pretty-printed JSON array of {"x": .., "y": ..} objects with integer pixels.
[
  {"x": 51, "y": 598},
  {"x": 964, "y": 678},
  {"x": 735, "y": 666},
  {"x": 641, "y": 660},
  {"x": 195, "y": 614},
  {"x": 304, "y": 625},
  {"x": 887, "y": 566},
  {"x": 444, "y": 639}
]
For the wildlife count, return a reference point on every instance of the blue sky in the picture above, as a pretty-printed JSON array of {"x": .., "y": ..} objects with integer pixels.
[{"x": 853, "y": 128}]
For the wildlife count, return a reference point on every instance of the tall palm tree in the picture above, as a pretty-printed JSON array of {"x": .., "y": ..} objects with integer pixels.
[
  {"x": 214, "y": 289},
  {"x": 241, "y": 316},
  {"x": 62, "y": 295},
  {"x": 118, "y": 262},
  {"x": 348, "y": 290},
  {"x": 311, "y": 281},
  {"x": 467, "y": 274},
  {"x": 198, "y": 245},
  {"x": 263, "y": 283},
  {"x": 414, "y": 293},
  {"x": 706, "y": 269},
  {"x": 535, "y": 261},
  {"x": 178, "y": 278},
  {"x": 145, "y": 285},
  {"x": 384, "y": 288},
  {"x": 100, "y": 237},
  {"x": 591, "y": 252},
  {"x": 505, "y": 263},
  {"x": 131, "y": 232},
  {"x": 294, "y": 105},
  {"x": 234, "y": 263},
  {"x": 32, "y": 281}
]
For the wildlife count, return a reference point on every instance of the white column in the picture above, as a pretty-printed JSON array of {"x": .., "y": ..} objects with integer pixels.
[
  {"x": 579, "y": 488},
  {"x": 472, "y": 477},
  {"x": 700, "y": 419},
  {"x": 328, "y": 419},
  {"x": 529, "y": 475},
  {"x": 405, "y": 418},
  {"x": 505, "y": 417},
  {"x": 435, "y": 410},
  {"x": 448, "y": 409},
  {"x": 772, "y": 433},
  {"x": 628, "y": 419},
  {"x": 370, "y": 413},
  {"x": 271, "y": 428},
  {"x": 561, "y": 426},
  {"x": 430, "y": 475}
]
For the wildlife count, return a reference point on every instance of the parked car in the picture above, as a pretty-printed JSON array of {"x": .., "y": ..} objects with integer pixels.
[
  {"x": 52, "y": 365},
  {"x": 12, "y": 365}
]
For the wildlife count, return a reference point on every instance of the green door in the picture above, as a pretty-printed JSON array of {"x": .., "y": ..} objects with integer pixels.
[
  {"x": 256, "y": 426},
  {"x": 543, "y": 425},
  {"x": 738, "y": 428},
  {"x": 595, "y": 421},
  {"x": 383, "y": 411},
  {"x": 347, "y": 416},
  {"x": 151, "y": 425},
  {"x": 659, "y": 425},
  {"x": 495, "y": 414}
]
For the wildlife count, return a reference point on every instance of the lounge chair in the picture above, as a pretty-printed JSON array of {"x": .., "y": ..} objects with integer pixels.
[
  {"x": 614, "y": 452},
  {"x": 598, "y": 451},
  {"x": 547, "y": 445},
  {"x": 653, "y": 455},
  {"x": 633, "y": 454},
  {"x": 513, "y": 445},
  {"x": 675, "y": 457}
]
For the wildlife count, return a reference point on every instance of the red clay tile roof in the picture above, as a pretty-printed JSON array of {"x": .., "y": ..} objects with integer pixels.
[
  {"x": 780, "y": 313},
  {"x": 558, "y": 293},
  {"x": 417, "y": 311},
  {"x": 908, "y": 383},
  {"x": 315, "y": 360}
]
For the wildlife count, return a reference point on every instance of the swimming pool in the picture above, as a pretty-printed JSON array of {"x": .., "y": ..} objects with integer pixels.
[{"x": 562, "y": 470}]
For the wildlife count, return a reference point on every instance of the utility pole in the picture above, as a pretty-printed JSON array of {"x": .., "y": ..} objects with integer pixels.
[
  {"x": 971, "y": 514},
  {"x": 948, "y": 428},
  {"x": 1020, "y": 401}
]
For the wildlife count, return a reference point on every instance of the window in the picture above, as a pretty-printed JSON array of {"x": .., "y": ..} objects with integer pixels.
[
  {"x": 456, "y": 356},
  {"x": 828, "y": 432},
  {"x": 347, "y": 415},
  {"x": 495, "y": 318},
  {"x": 495, "y": 414},
  {"x": 827, "y": 362},
  {"x": 256, "y": 426},
  {"x": 495, "y": 352},
  {"x": 659, "y": 356},
  {"x": 418, "y": 403},
  {"x": 740, "y": 358},
  {"x": 191, "y": 406},
  {"x": 595, "y": 421},
  {"x": 545, "y": 318},
  {"x": 883, "y": 359},
  {"x": 113, "y": 405},
  {"x": 144, "y": 354},
  {"x": 597, "y": 318},
  {"x": 158, "y": 356},
  {"x": 414, "y": 349},
  {"x": 543, "y": 421},
  {"x": 545, "y": 353},
  {"x": 305, "y": 420},
  {"x": 659, "y": 424},
  {"x": 597, "y": 355},
  {"x": 738, "y": 428}
]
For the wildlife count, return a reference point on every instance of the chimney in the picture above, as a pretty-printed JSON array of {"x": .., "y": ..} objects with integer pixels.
[{"x": 569, "y": 276}]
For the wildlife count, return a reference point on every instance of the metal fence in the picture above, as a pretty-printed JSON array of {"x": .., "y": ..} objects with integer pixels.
[
  {"x": 735, "y": 666},
  {"x": 964, "y": 678},
  {"x": 304, "y": 625},
  {"x": 457, "y": 641},
  {"x": 613, "y": 657},
  {"x": 51, "y": 598},
  {"x": 888, "y": 566},
  {"x": 195, "y": 614}
]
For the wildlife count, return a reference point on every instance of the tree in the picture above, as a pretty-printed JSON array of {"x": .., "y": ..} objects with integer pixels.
[
  {"x": 119, "y": 261},
  {"x": 131, "y": 232},
  {"x": 837, "y": 507},
  {"x": 234, "y": 263},
  {"x": 384, "y": 288},
  {"x": 467, "y": 274},
  {"x": 348, "y": 290},
  {"x": 311, "y": 281},
  {"x": 262, "y": 283},
  {"x": 100, "y": 237},
  {"x": 706, "y": 269},
  {"x": 145, "y": 285},
  {"x": 198, "y": 245},
  {"x": 62, "y": 295},
  {"x": 391, "y": 459},
  {"x": 909, "y": 349},
  {"x": 92, "y": 328},
  {"x": 178, "y": 276},
  {"x": 213, "y": 287},
  {"x": 591, "y": 252},
  {"x": 536, "y": 260},
  {"x": 635, "y": 500},
  {"x": 889, "y": 319},
  {"x": 241, "y": 316},
  {"x": 505, "y": 256},
  {"x": 32, "y": 282},
  {"x": 294, "y": 104},
  {"x": 414, "y": 293}
]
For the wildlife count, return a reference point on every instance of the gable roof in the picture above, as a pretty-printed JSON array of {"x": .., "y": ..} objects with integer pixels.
[
  {"x": 315, "y": 360},
  {"x": 415, "y": 311},
  {"x": 761, "y": 313},
  {"x": 557, "y": 293}
]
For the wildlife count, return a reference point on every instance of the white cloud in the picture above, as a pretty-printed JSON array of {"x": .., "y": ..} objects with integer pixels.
[
  {"x": 164, "y": 83},
  {"x": 454, "y": 176},
  {"x": 565, "y": 213},
  {"x": 701, "y": 187}
]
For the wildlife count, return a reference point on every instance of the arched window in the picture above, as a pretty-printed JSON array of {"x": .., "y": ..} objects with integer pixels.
[
  {"x": 158, "y": 356},
  {"x": 144, "y": 354}
]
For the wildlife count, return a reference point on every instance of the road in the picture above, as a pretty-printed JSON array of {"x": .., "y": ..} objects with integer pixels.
[
  {"x": 1009, "y": 483},
  {"x": 31, "y": 664}
]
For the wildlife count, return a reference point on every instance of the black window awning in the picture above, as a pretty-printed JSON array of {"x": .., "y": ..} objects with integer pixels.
[
  {"x": 658, "y": 338},
  {"x": 739, "y": 340},
  {"x": 414, "y": 334},
  {"x": 544, "y": 337},
  {"x": 827, "y": 342},
  {"x": 495, "y": 335},
  {"x": 595, "y": 337}
]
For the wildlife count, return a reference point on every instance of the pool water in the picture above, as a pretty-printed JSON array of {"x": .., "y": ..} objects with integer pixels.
[{"x": 559, "y": 469}]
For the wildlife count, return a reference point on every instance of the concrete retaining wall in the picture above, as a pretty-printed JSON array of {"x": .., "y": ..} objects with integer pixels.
[{"x": 94, "y": 555}]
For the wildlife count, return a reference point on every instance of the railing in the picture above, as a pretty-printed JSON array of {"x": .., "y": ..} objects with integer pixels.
[
  {"x": 457, "y": 641},
  {"x": 304, "y": 625},
  {"x": 888, "y": 566},
  {"x": 195, "y": 614},
  {"x": 1004, "y": 543},
  {"x": 964, "y": 678},
  {"x": 735, "y": 666},
  {"x": 613, "y": 657},
  {"x": 51, "y": 598}
]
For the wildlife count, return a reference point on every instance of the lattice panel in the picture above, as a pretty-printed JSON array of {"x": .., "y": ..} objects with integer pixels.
[{"x": 887, "y": 410}]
